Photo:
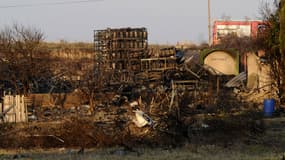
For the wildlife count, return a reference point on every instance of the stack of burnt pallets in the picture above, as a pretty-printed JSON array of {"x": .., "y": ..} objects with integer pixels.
[{"x": 121, "y": 50}]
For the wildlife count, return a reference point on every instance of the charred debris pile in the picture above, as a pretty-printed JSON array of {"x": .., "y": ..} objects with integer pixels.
[{"x": 138, "y": 95}]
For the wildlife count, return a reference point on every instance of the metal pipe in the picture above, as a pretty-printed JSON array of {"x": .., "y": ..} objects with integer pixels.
[{"x": 209, "y": 22}]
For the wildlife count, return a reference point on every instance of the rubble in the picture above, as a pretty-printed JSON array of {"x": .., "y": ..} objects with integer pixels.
[
  {"x": 149, "y": 98},
  {"x": 148, "y": 120},
  {"x": 142, "y": 119}
]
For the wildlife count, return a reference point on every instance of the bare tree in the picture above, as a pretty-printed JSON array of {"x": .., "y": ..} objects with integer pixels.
[
  {"x": 93, "y": 82},
  {"x": 242, "y": 44},
  {"x": 282, "y": 49},
  {"x": 273, "y": 41},
  {"x": 22, "y": 59},
  {"x": 265, "y": 10}
]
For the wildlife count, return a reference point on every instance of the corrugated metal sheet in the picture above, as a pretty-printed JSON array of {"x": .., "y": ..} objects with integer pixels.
[{"x": 237, "y": 80}]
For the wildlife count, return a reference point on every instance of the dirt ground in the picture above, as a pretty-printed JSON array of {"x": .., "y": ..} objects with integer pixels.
[
  {"x": 87, "y": 132},
  {"x": 195, "y": 152},
  {"x": 228, "y": 137}
]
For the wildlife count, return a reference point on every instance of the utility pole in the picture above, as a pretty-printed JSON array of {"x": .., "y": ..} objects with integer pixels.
[{"x": 209, "y": 22}]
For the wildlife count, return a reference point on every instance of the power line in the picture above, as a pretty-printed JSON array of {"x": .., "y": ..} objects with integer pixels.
[{"x": 49, "y": 3}]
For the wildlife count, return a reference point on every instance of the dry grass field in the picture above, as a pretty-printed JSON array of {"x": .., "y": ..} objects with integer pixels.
[{"x": 207, "y": 152}]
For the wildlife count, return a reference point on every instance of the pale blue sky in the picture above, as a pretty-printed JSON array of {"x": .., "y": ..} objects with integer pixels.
[{"x": 167, "y": 21}]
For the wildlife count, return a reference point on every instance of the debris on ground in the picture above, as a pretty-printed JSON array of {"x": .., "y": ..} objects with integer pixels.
[{"x": 142, "y": 119}]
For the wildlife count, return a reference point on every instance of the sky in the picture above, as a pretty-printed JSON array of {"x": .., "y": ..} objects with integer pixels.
[{"x": 167, "y": 21}]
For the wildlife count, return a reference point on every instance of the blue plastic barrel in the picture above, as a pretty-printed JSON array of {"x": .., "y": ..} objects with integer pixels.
[{"x": 268, "y": 107}]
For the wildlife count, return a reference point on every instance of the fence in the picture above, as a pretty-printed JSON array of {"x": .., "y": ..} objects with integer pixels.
[{"x": 13, "y": 109}]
